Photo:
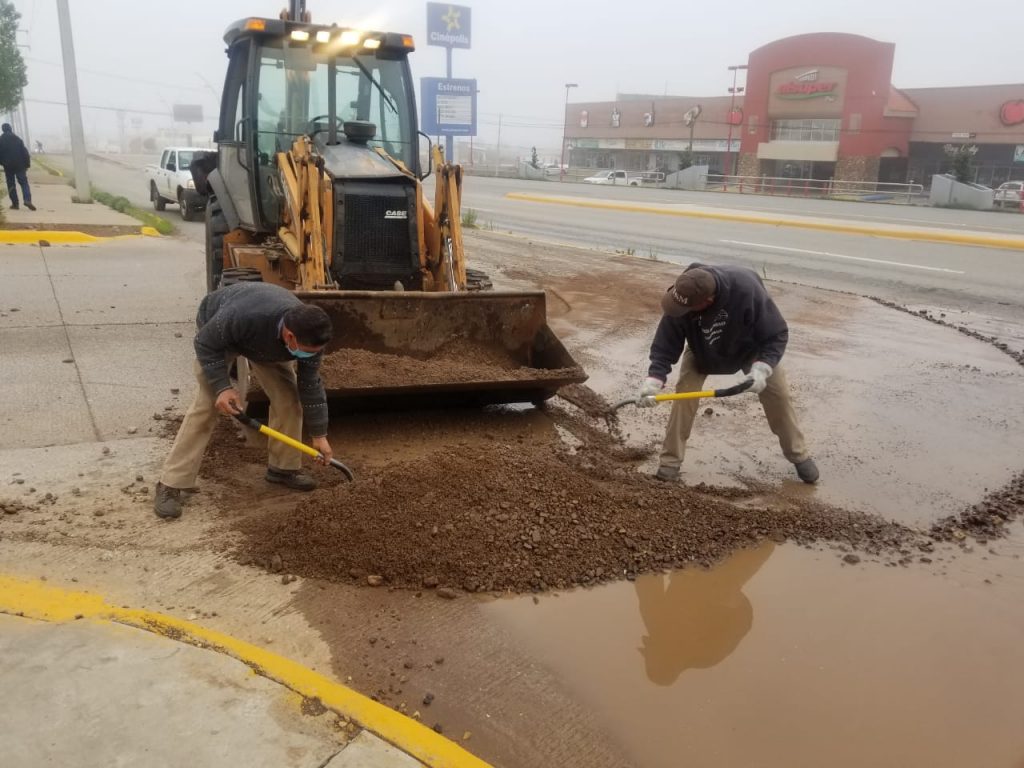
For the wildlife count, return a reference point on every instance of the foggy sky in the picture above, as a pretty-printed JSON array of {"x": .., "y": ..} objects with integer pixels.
[{"x": 524, "y": 51}]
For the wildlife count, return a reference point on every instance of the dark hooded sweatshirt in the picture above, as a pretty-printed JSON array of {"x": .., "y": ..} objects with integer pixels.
[
  {"x": 742, "y": 327},
  {"x": 245, "y": 319}
]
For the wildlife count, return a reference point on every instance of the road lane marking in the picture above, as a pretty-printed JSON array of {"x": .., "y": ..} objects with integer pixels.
[{"x": 843, "y": 256}]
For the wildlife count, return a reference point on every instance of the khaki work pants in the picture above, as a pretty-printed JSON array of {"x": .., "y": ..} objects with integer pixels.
[
  {"x": 778, "y": 409},
  {"x": 278, "y": 380}
]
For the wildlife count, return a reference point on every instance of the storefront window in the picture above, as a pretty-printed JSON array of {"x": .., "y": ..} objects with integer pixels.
[{"x": 811, "y": 129}]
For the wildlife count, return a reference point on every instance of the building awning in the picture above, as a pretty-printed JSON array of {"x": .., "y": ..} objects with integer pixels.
[{"x": 814, "y": 151}]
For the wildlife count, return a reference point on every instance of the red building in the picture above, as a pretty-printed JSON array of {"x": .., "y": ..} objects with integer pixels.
[{"x": 816, "y": 106}]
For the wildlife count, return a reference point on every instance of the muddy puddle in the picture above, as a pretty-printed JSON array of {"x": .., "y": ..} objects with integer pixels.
[{"x": 778, "y": 657}]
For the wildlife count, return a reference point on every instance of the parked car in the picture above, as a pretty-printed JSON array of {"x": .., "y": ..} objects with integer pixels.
[
  {"x": 613, "y": 177},
  {"x": 1009, "y": 194},
  {"x": 170, "y": 181}
]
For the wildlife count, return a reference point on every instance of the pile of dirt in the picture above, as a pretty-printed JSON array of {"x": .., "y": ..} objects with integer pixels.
[
  {"x": 987, "y": 519},
  {"x": 519, "y": 518},
  {"x": 460, "y": 362},
  {"x": 587, "y": 400}
]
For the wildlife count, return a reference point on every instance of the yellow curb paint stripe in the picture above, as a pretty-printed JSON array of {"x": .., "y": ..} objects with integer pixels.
[
  {"x": 930, "y": 236},
  {"x": 63, "y": 237},
  {"x": 37, "y": 600},
  {"x": 52, "y": 170}
]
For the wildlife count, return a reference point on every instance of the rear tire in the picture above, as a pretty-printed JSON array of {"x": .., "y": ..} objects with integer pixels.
[
  {"x": 216, "y": 228},
  {"x": 159, "y": 204}
]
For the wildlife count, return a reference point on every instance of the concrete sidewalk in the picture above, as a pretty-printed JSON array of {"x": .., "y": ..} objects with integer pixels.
[
  {"x": 58, "y": 218},
  {"x": 94, "y": 685}
]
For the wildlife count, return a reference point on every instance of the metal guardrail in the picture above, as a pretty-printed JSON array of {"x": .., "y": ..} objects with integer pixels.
[{"x": 821, "y": 188}]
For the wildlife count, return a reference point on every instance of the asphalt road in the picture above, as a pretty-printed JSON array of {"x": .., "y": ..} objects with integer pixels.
[
  {"x": 953, "y": 276},
  {"x": 983, "y": 283}
]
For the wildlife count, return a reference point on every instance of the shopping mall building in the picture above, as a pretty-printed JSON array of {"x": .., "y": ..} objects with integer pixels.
[{"x": 816, "y": 106}]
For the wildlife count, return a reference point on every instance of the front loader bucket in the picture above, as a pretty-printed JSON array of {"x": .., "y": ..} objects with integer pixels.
[{"x": 434, "y": 349}]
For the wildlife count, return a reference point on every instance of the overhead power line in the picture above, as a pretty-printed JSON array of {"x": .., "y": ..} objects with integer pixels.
[{"x": 117, "y": 76}]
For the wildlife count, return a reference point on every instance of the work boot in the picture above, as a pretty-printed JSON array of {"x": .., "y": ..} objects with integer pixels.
[
  {"x": 15, "y": 207},
  {"x": 292, "y": 478},
  {"x": 168, "y": 502},
  {"x": 30, "y": 206},
  {"x": 667, "y": 474},
  {"x": 808, "y": 471}
]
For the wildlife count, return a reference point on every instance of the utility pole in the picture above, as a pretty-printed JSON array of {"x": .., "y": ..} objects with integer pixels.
[
  {"x": 67, "y": 45},
  {"x": 565, "y": 127},
  {"x": 730, "y": 169},
  {"x": 449, "y": 141},
  {"x": 23, "y": 129},
  {"x": 497, "y": 161}
]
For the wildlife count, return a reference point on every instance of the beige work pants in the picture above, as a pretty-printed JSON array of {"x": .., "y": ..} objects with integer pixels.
[
  {"x": 278, "y": 380},
  {"x": 778, "y": 409}
]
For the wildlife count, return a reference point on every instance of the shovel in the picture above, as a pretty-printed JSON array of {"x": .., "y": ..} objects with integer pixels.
[
  {"x": 743, "y": 386},
  {"x": 263, "y": 429}
]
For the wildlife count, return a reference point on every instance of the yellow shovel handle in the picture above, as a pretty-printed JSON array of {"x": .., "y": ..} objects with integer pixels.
[
  {"x": 289, "y": 441},
  {"x": 685, "y": 395}
]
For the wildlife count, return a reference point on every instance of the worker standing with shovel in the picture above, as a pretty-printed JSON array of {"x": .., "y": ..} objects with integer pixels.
[
  {"x": 282, "y": 339},
  {"x": 726, "y": 321}
]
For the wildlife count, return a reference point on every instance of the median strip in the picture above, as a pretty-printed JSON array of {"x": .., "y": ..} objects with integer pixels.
[{"x": 898, "y": 233}]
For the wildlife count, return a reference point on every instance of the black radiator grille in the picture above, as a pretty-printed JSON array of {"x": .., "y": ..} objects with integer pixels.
[{"x": 376, "y": 236}]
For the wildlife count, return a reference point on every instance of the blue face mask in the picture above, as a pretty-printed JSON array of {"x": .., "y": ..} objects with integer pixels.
[{"x": 301, "y": 354}]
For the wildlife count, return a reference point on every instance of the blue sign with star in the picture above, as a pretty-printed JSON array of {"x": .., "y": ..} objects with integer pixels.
[{"x": 448, "y": 25}]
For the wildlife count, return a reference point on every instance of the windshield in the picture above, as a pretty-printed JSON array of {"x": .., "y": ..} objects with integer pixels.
[
  {"x": 184, "y": 160},
  {"x": 293, "y": 99}
]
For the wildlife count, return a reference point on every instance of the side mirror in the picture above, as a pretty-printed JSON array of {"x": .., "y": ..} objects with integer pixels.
[
  {"x": 430, "y": 156},
  {"x": 172, "y": 167}
]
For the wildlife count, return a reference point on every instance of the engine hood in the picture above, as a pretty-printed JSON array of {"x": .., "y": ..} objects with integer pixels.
[{"x": 349, "y": 160}]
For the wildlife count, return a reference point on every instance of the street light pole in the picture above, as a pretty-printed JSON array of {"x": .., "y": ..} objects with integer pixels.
[
  {"x": 730, "y": 170},
  {"x": 81, "y": 164},
  {"x": 565, "y": 126}
]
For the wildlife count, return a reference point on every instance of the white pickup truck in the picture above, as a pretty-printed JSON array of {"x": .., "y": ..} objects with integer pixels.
[{"x": 170, "y": 181}]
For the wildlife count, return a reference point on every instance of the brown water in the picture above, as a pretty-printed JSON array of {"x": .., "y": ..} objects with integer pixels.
[{"x": 780, "y": 657}]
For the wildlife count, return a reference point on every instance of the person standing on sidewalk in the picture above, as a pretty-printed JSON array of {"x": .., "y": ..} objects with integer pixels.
[
  {"x": 726, "y": 321},
  {"x": 277, "y": 334},
  {"x": 15, "y": 159}
]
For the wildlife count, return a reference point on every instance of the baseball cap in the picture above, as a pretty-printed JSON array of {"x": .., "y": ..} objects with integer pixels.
[{"x": 692, "y": 288}]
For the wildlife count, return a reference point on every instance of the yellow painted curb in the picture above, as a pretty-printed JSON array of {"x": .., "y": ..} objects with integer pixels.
[
  {"x": 52, "y": 170},
  {"x": 36, "y": 600},
  {"x": 955, "y": 238},
  {"x": 63, "y": 237}
]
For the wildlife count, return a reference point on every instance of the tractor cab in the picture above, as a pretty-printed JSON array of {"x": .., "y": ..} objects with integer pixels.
[{"x": 350, "y": 91}]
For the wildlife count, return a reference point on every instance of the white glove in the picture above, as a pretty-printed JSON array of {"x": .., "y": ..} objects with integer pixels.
[
  {"x": 650, "y": 388},
  {"x": 759, "y": 373}
]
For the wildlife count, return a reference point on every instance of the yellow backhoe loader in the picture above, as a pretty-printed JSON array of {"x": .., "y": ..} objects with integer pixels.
[{"x": 317, "y": 185}]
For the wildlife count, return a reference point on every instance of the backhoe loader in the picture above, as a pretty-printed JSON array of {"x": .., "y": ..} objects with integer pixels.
[{"x": 317, "y": 185}]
